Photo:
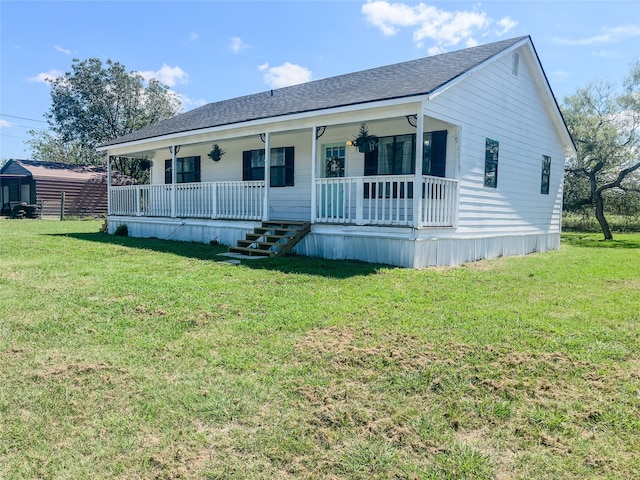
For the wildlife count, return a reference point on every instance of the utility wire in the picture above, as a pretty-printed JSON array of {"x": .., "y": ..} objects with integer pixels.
[
  {"x": 26, "y": 126},
  {"x": 21, "y": 118},
  {"x": 13, "y": 136}
]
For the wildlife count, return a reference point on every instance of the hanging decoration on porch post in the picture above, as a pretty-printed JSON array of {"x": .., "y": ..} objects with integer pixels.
[
  {"x": 216, "y": 153},
  {"x": 364, "y": 141}
]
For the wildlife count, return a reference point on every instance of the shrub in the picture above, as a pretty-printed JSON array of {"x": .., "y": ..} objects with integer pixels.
[
  {"x": 122, "y": 231},
  {"x": 572, "y": 222}
]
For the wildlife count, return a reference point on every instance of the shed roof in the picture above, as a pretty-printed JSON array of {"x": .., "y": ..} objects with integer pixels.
[
  {"x": 413, "y": 78},
  {"x": 51, "y": 169},
  {"x": 66, "y": 171}
]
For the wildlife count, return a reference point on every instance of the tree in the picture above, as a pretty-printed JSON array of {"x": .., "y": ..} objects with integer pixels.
[
  {"x": 605, "y": 126},
  {"x": 95, "y": 103},
  {"x": 46, "y": 147}
]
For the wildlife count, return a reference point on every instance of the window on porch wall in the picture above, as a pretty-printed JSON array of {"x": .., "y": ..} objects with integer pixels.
[
  {"x": 282, "y": 166},
  {"x": 187, "y": 170},
  {"x": 396, "y": 155}
]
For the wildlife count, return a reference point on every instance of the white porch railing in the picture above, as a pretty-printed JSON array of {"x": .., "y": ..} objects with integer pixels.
[
  {"x": 375, "y": 200},
  {"x": 233, "y": 200},
  {"x": 385, "y": 200}
]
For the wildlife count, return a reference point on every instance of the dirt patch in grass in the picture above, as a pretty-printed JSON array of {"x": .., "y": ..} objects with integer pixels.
[
  {"x": 76, "y": 369},
  {"x": 431, "y": 403},
  {"x": 180, "y": 461}
]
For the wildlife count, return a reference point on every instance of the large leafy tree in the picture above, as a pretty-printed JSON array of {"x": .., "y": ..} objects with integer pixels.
[
  {"x": 97, "y": 102},
  {"x": 605, "y": 126}
]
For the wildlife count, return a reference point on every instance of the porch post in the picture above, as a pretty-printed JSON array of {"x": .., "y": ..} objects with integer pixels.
[
  {"x": 314, "y": 161},
  {"x": 214, "y": 201},
  {"x": 417, "y": 181},
  {"x": 173, "y": 180},
  {"x": 267, "y": 176},
  {"x": 109, "y": 157},
  {"x": 138, "y": 206}
]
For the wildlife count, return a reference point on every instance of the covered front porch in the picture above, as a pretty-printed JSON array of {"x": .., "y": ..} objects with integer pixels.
[{"x": 300, "y": 171}]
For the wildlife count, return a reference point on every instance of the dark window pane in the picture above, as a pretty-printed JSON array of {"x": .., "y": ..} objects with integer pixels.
[
  {"x": 491, "y": 163},
  {"x": 546, "y": 174}
]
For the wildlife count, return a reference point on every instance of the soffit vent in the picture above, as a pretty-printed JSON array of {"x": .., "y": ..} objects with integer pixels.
[{"x": 515, "y": 63}]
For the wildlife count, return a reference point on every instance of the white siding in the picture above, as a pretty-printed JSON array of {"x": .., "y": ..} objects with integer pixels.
[{"x": 494, "y": 103}]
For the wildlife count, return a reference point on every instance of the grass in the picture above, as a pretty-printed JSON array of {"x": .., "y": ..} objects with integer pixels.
[{"x": 135, "y": 359}]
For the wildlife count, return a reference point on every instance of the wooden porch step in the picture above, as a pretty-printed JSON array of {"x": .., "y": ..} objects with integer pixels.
[
  {"x": 262, "y": 245},
  {"x": 275, "y": 237},
  {"x": 270, "y": 238},
  {"x": 282, "y": 223},
  {"x": 252, "y": 252}
]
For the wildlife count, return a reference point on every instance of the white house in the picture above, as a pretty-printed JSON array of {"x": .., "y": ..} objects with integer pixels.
[{"x": 467, "y": 164}]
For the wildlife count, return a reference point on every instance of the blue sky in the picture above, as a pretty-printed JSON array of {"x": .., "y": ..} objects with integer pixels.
[{"x": 213, "y": 50}]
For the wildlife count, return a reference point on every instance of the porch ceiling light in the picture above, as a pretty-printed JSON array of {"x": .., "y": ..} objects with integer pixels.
[{"x": 412, "y": 119}]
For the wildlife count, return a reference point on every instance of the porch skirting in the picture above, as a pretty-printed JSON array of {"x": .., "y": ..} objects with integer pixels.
[
  {"x": 399, "y": 246},
  {"x": 430, "y": 248},
  {"x": 223, "y": 232}
]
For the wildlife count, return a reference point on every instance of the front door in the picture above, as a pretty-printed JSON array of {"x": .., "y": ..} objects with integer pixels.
[{"x": 333, "y": 166}]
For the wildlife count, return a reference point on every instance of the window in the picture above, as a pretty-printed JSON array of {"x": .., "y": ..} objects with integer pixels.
[
  {"x": 491, "y": 163},
  {"x": 396, "y": 155},
  {"x": 187, "y": 170},
  {"x": 546, "y": 174},
  {"x": 281, "y": 166},
  {"x": 434, "y": 153}
]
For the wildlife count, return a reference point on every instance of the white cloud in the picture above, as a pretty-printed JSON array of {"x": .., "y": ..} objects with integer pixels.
[
  {"x": 4, "y": 123},
  {"x": 431, "y": 51},
  {"x": 193, "y": 36},
  {"x": 236, "y": 45},
  {"x": 189, "y": 103},
  {"x": 507, "y": 24},
  {"x": 285, "y": 75},
  {"x": 610, "y": 35},
  {"x": 388, "y": 17},
  {"x": 608, "y": 54},
  {"x": 559, "y": 75},
  {"x": 430, "y": 23},
  {"x": 45, "y": 76},
  {"x": 63, "y": 50},
  {"x": 170, "y": 76}
]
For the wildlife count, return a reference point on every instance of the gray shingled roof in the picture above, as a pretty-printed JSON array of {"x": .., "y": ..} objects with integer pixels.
[{"x": 416, "y": 77}]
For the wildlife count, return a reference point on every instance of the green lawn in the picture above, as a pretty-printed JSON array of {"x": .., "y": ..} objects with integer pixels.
[{"x": 136, "y": 359}]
